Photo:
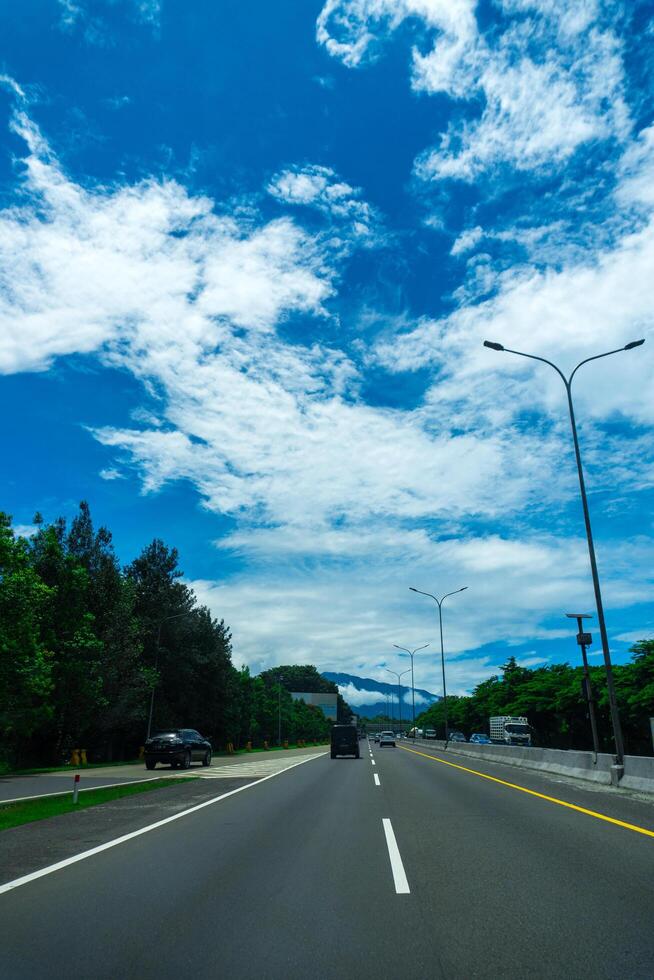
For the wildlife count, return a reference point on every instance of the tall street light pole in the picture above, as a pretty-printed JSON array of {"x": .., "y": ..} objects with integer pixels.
[
  {"x": 166, "y": 619},
  {"x": 613, "y": 703},
  {"x": 412, "y": 653},
  {"x": 439, "y": 603},
  {"x": 399, "y": 690}
]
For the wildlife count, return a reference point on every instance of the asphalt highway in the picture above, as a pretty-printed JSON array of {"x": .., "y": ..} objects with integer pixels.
[
  {"x": 390, "y": 866},
  {"x": 44, "y": 784}
]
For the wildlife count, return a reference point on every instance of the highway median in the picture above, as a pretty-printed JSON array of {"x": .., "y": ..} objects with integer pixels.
[{"x": 30, "y": 811}]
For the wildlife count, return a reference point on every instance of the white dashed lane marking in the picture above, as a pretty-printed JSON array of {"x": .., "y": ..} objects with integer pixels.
[{"x": 399, "y": 875}]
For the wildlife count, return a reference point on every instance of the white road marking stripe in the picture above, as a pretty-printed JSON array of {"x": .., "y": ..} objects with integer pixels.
[
  {"x": 373, "y": 762},
  {"x": 17, "y": 882},
  {"x": 376, "y": 777},
  {"x": 399, "y": 876},
  {"x": 82, "y": 789}
]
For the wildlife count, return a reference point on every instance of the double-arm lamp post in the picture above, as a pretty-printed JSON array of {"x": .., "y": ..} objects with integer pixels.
[
  {"x": 615, "y": 717},
  {"x": 439, "y": 603},
  {"x": 399, "y": 690},
  {"x": 412, "y": 653}
]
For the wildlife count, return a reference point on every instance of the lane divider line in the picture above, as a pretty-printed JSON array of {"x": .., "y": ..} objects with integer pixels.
[
  {"x": 541, "y": 796},
  {"x": 373, "y": 762},
  {"x": 25, "y": 879},
  {"x": 376, "y": 778},
  {"x": 399, "y": 875}
]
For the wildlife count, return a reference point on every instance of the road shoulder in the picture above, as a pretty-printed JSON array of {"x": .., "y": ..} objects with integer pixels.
[{"x": 33, "y": 846}]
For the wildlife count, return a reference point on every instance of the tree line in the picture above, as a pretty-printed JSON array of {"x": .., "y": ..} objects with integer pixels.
[
  {"x": 84, "y": 642},
  {"x": 552, "y": 700}
]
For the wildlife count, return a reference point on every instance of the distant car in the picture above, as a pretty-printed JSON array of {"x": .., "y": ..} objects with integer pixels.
[
  {"x": 430, "y": 733},
  {"x": 177, "y": 747},
  {"x": 344, "y": 741},
  {"x": 387, "y": 738},
  {"x": 457, "y": 737},
  {"x": 480, "y": 739},
  {"x": 376, "y": 736},
  {"x": 398, "y": 735}
]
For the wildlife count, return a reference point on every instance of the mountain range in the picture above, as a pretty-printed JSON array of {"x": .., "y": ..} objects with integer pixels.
[{"x": 368, "y": 697}]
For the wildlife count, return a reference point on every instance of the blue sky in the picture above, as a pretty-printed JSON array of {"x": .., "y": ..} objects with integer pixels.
[{"x": 250, "y": 252}]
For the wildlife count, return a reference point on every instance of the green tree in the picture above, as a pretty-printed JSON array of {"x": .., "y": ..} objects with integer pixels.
[{"x": 25, "y": 661}]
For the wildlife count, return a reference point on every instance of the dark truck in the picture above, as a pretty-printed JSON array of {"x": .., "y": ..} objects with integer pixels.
[{"x": 345, "y": 741}]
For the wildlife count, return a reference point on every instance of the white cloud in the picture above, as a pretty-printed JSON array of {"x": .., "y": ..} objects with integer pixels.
[
  {"x": 111, "y": 473},
  {"x": 137, "y": 269},
  {"x": 355, "y": 697},
  {"x": 318, "y": 612},
  {"x": 537, "y": 110},
  {"x": 25, "y": 530},
  {"x": 635, "y": 636},
  {"x": 588, "y": 307},
  {"x": 534, "y": 115},
  {"x": 350, "y": 28},
  {"x": 320, "y": 187},
  {"x": 320, "y": 485},
  {"x": 467, "y": 240},
  {"x": 89, "y": 16}
]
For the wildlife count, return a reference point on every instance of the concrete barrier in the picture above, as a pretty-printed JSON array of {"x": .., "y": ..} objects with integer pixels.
[
  {"x": 638, "y": 770},
  {"x": 638, "y": 773}
]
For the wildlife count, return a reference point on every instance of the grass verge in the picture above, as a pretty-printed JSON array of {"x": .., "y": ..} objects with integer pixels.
[{"x": 15, "y": 814}]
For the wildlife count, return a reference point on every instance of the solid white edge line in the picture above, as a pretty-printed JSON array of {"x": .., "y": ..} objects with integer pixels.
[
  {"x": 128, "y": 781},
  {"x": 376, "y": 778},
  {"x": 399, "y": 876},
  {"x": 17, "y": 882},
  {"x": 83, "y": 789}
]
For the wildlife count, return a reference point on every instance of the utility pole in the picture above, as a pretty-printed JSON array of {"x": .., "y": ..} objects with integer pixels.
[{"x": 584, "y": 640}]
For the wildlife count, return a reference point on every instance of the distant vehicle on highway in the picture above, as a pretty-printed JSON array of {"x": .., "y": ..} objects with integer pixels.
[
  {"x": 457, "y": 737},
  {"x": 480, "y": 739},
  {"x": 376, "y": 736},
  {"x": 387, "y": 738},
  {"x": 510, "y": 730},
  {"x": 344, "y": 741},
  {"x": 399, "y": 735},
  {"x": 430, "y": 733},
  {"x": 177, "y": 747}
]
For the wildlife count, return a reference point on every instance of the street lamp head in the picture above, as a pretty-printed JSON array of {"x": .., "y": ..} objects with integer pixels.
[
  {"x": 493, "y": 345},
  {"x": 463, "y": 589},
  {"x": 634, "y": 343}
]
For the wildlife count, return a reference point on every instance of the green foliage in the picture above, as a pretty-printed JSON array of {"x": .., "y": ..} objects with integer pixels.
[
  {"x": 552, "y": 700},
  {"x": 25, "y": 660},
  {"x": 83, "y": 644}
]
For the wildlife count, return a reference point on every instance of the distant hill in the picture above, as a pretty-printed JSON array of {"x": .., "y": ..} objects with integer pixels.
[{"x": 367, "y": 697}]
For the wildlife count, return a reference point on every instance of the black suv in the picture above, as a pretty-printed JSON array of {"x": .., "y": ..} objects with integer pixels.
[
  {"x": 344, "y": 741},
  {"x": 177, "y": 747}
]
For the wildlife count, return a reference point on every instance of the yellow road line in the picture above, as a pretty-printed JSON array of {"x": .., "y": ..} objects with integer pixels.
[{"x": 532, "y": 792}]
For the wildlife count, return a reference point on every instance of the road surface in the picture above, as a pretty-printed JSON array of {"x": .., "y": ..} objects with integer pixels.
[
  {"x": 43, "y": 784},
  {"x": 393, "y": 865}
]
